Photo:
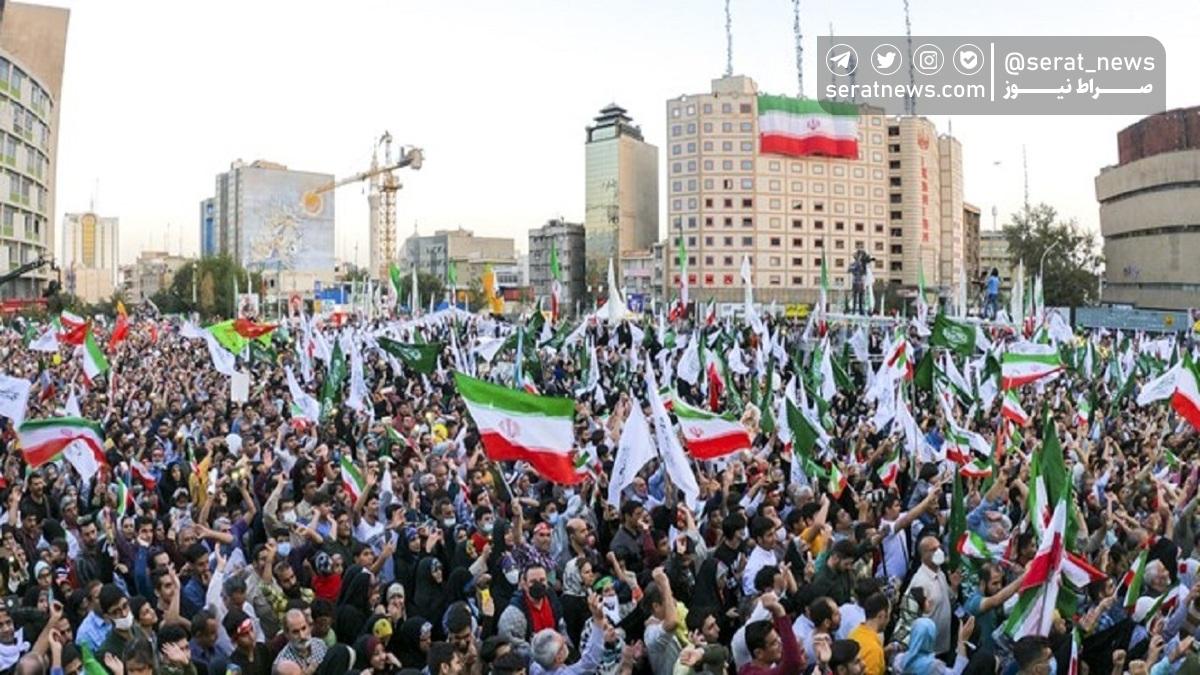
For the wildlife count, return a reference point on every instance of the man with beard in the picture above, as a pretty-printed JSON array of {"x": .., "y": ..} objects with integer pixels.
[
  {"x": 286, "y": 588},
  {"x": 95, "y": 562}
]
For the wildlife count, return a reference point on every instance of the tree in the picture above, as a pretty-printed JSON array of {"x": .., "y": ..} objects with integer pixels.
[
  {"x": 213, "y": 289},
  {"x": 427, "y": 285},
  {"x": 1071, "y": 268}
]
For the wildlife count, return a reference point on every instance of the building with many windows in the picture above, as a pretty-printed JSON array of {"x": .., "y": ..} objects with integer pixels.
[
  {"x": 433, "y": 253},
  {"x": 152, "y": 272},
  {"x": 641, "y": 276},
  {"x": 568, "y": 242},
  {"x": 208, "y": 228},
  {"x": 726, "y": 200},
  {"x": 620, "y": 192},
  {"x": 33, "y": 40},
  {"x": 90, "y": 250},
  {"x": 994, "y": 254},
  {"x": 970, "y": 223},
  {"x": 1150, "y": 213}
]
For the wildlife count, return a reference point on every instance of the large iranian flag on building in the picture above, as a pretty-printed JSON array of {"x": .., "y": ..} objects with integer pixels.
[
  {"x": 518, "y": 426},
  {"x": 799, "y": 127},
  {"x": 708, "y": 435}
]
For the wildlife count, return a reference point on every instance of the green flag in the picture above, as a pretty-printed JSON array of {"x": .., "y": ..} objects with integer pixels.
[
  {"x": 451, "y": 274},
  {"x": 394, "y": 277},
  {"x": 767, "y": 421},
  {"x": 332, "y": 387},
  {"x": 958, "y": 521},
  {"x": 955, "y": 335},
  {"x": 422, "y": 358},
  {"x": 923, "y": 376}
]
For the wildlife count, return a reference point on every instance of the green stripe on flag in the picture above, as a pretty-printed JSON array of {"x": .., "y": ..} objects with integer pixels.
[
  {"x": 512, "y": 400},
  {"x": 804, "y": 106}
]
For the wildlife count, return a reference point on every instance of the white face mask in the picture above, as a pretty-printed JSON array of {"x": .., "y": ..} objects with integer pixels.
[
  {"x": 288, "y": 516},
  {"x": 124, "y": 623},
  {"x": 513, "y": 576},
  {"x": 938, "y": 558}
]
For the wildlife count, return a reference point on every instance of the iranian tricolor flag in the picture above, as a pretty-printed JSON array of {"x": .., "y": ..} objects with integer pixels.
[
  {"x": 974, "y": 546},
  {"x": 710, "y": 313},
  {"x": 1011, "y": 408},
  {"x": 1079, "y": 572},
  {"x": 1034, "y": 612},
  {"x": 837, "y": 481},
  {"x": 799, "y": 127},
  {"x": 1186, "y": 400},
  {"x": 709, "y": 435},
  {"x": 890, "y": 469},
  {"x": 518, "y": 426},
  {"x": 1027, "y": 362},
  {"x": 555, "y": 283},
  {"x": 352, "y": 478},
  {"x": 94, "y": 361},
  {"x": 1132, "y": 581},
  {"x": 1083, "y": 411},
  {"x": 75, "y": 439},
  {"x": 976, "y": 468},
  {"x": 960, "y": 443}
]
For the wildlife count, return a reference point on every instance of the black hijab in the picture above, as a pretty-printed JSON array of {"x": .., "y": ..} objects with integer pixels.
[
  {"x": 430, "y": 598},
  {"x": 409, "y": 651}
]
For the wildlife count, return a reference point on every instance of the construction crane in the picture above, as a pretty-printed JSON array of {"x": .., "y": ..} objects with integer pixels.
[{"x": 381, "y": 198}]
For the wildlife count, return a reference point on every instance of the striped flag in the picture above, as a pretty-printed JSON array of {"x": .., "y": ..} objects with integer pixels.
[
  {"x": 974, "y": 546},
  {"x": 1028, "y": 362},
  {"x": 1079, "y": 572},
  {"x": 44, "y": 441},
  {"x": 352, "y": 479},
  {"x": 1011, "y": 408},
  {"x": 94, "y": 362},
  {"x": 890, "y": 469},
  {"x": 1186, "y": 400},
  {"x": 518, "y": 426},
  {"x": 709, "y": 435},
  {"x": 976, "y": 468},
  {"x": 124, "y": 497},
  {"x": 1132, "y": 581},
  {"x": 1034, "y": 611},
  {"x": 837, "y": 481}
]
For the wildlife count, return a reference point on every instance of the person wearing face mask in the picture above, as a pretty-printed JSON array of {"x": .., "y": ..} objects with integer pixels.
[
  {"x": 114, "y": 606},
  {"x": 535, "y": 607},
  {"x": 938, "y": 589}
]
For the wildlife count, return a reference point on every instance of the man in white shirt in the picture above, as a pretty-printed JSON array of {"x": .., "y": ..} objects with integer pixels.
[
  {"x": 893, "y": 527},
  {"x": 762, "y": 529},
  {"x": 938, "y": 589}
]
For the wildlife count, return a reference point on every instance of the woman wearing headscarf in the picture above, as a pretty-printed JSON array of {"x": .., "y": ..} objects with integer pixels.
[
  {"x": 370, "y": 653},
  {"x": 353, "y": 604},
  {"x": 501, "y": 566},
  {"x": 710, "y": 591},
  {"x": 919, "y": 659},
  {"x": 578, "y": 576},
  {"x": 416, "y": 634},
  {"x": 430, "y": 597},
  {"x": 406, "y": 558}
]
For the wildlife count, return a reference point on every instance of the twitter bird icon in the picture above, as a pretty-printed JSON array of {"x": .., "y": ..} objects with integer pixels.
[{"x": 886, "y": 59}]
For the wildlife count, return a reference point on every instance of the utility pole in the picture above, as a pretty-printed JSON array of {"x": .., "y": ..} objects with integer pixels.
[
  {"x": 728, "y": 41},
  {"x": 799, "y": 49},
  {"x": 910, "y": 100}
]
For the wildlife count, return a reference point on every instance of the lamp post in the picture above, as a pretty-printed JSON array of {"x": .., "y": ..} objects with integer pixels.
[{"x": 1042, "y": 262}]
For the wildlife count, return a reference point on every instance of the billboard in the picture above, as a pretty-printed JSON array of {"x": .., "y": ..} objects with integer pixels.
[{"x": 281, "y": 230}]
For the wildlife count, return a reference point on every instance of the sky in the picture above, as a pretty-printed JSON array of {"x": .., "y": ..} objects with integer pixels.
[{"x": 159, "y": 97}]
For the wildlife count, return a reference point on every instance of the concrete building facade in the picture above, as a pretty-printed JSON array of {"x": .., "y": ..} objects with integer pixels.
[
  {"x": 152, "y": 272},
  {"x": 91, "y": 247},
  {"x": 1150, "y": 213},
  {"x": 33, "y": 41},
  {"x": 432, "y": 254},
  {"x": 728, "y": 201},
  {"x": 971, "y": 217},
  {"x": 568, "y": 241},
  {"x": 642, "y": 274},
  {"x": 208, "y": 228},
  {"x": 620, "y": 191},
  {"x": 993, "y": 253}
]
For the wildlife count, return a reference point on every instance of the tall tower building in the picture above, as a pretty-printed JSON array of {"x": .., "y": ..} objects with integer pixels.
[
  {"x": 726, "y": 200},
  {"x": 33, "y": 41},
  {"x": 620, "y": 193},
  {"x": 91, "y": 246}
]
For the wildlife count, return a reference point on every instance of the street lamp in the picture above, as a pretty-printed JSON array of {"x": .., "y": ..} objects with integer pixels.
[{"x": 1042, "y": 262}]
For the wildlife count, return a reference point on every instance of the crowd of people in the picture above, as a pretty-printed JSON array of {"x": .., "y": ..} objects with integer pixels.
[{"x": 226, "y": 533}]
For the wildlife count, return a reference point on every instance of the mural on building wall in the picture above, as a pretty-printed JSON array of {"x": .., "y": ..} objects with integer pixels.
[{"x": 283, "y": 232}]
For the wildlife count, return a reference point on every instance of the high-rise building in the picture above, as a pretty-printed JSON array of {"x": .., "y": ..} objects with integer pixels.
[
  {"x": 1148, "y": 207},
  {"x": 568, "y": 242},
  {"x": 33, "y": 40},
  {"x": 264, "y": 222},
  {"x": 90, "y": 251},
  {"x": 433, "y": 253},
  {"x": 727, "y": 201},
  {"x": 641, "y": 276},
  {"x": 208, "y": 228},
  {"x": 620, "y": 192}
]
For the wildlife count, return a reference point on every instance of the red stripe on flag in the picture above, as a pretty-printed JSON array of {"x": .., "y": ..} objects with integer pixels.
[
  {"x": 718, "y": 446},
  {"x": 1014, "y": 382},
  {"x": 553, "y": 465},
  {"x": 812, "y": 145},
  {"x": 41, "y": 454}
]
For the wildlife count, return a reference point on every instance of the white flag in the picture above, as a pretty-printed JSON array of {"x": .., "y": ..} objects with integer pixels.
[
  {"x": 223, "y": 361},
  {"x": 860, "y": 346},
  {"x": 1159, "y": 388},
  {"x": 669, "y": 449},
  {"x": 46, "y": 342},
  {"x": 72, "y": 406},
  {"x": 688, "y": 369},
  {"x": 303, "y": 405},
  {"x": 358, "y": 394},
  {"x": 83, "y": 459},
  {"x": 14, "y": 397},
  {"x": 634, "y": 450}
]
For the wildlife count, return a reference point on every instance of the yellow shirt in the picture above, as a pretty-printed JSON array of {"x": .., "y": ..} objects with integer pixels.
[{"x": 870, "y": 649}]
